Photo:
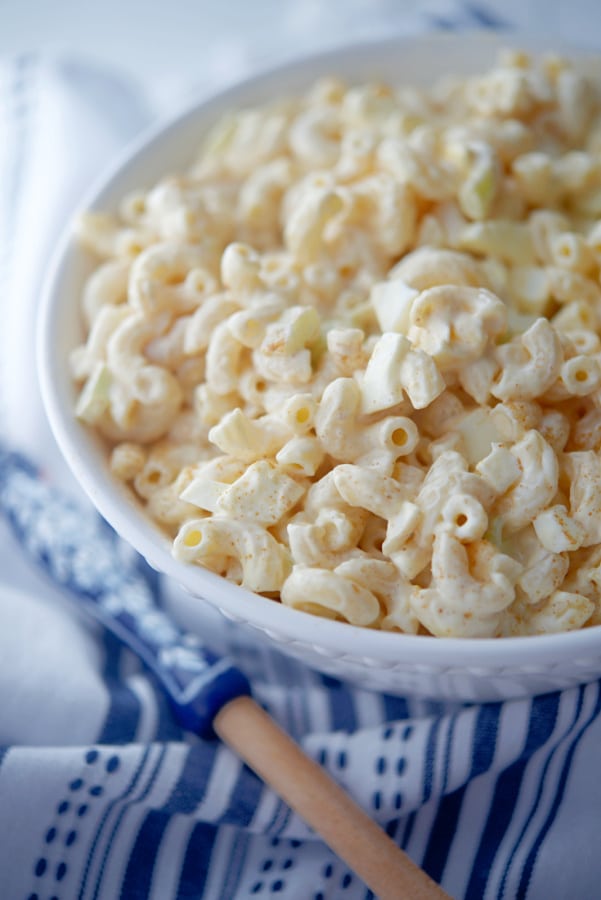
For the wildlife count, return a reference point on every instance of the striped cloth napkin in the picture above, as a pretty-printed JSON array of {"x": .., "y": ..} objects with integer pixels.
[{"x": 101, "y": 795}]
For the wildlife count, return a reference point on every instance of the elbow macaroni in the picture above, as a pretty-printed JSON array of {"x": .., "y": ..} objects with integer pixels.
[{"x": 352, "y": 359}]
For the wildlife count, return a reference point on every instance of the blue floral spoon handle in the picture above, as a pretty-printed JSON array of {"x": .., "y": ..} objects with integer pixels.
[{"x": 83, "y": 555}]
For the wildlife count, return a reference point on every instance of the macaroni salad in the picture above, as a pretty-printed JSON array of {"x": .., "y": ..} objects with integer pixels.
[{"x": 351, "y": 360}]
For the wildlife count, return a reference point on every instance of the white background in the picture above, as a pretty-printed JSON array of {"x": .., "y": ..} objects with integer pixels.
[{"x": 178, "y": 46}]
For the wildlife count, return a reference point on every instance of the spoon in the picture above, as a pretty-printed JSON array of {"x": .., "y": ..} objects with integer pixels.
[{"x": 208, "y": 694}]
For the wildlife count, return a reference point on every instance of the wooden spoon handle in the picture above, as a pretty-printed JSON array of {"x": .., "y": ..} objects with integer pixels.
[
  {"x": 322, "y": 803},
  {"x": 204, "y": 684}
]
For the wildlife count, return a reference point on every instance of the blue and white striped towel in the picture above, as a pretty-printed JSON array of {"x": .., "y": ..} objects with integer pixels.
[{"x": 101, "y": 795}]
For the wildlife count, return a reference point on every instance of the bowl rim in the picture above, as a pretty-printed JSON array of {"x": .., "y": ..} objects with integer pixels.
[{"x": 110, "y": 499}]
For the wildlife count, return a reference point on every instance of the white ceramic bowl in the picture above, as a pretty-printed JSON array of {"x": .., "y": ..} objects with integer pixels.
[{"x": 439, "y": 668}]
